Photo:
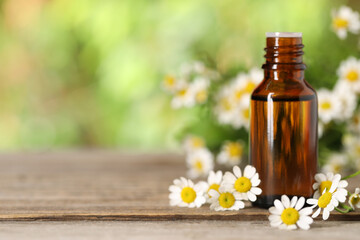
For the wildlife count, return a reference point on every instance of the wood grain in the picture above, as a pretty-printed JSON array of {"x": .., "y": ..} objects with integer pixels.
[{"x": 102, "y": 185}]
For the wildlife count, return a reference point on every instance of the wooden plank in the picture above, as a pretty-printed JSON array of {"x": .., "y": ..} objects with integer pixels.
[{"x": 102, "y": 185}]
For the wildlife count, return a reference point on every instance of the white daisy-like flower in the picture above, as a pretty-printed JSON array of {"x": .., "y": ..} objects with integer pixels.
[
  {"x": 246, "y": 185},
  {"x": 199, "y": 163},
  {"x": 345, "y": 20},
  {"x": 231, "y": 153},
  {"x": 329, "y": 105},
  {"x": 328, "y": 200},
  {"x": 226, "y": 108},
  {"x": 349, "y": 74},
  {"x": 335, "y": 163},
  {"x": 213, "y": 182},
  {"x": 348, "y": 100},
  {"x": 354, "y": 199},
  {"x": 225, "y": 200},
  {"x": 184, "y": 193},
  {"x": 325, "y": 181},
  {"x": 289, "y": 215},
  {"x": 242, "y": 118},
  {"x": 183, "y": 96},
  {"x": 193, "y": 143},
  {"x": 200, "y": 89},
  {"x": 169, "y": 84}
]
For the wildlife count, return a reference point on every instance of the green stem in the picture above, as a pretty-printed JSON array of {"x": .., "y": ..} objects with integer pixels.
[
  {"x": 351, "y": 175},
  {"x": 341, "y": 211}
]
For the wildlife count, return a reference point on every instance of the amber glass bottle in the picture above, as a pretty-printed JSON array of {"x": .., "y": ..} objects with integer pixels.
[{"x": 283, "y": 122}]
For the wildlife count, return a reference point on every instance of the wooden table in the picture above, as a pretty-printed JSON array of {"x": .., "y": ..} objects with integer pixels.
[{"x": 98, "y": 194}]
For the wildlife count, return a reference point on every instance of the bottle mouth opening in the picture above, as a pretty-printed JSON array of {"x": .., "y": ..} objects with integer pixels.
[{"x": 283, "y": 34}]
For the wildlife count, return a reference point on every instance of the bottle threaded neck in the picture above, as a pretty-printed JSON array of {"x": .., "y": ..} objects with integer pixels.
[{"x": 284, "y": 49}]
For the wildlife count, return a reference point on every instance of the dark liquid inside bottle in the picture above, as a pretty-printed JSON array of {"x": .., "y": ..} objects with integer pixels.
[{"x": 283, "y": 127}]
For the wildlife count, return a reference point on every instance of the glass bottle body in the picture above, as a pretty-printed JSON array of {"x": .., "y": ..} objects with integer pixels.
[{"x": 283, "y": 125}]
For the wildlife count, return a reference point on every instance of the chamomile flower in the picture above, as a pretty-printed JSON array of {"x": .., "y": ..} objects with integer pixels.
[
  {"x": 352, "y": 147},
  {"x": 213, "y": 182},
  {"x": 225, "y": 200},
  {"x": 328, "y": 200},
  {"x": 200, "y": 89},
  {"x": 335, "y": 163},
  {"x": 169, "y": 83},
  {"x": 329, "y": 105},
  {"x": 184, "y": 193},
  {"x": 183, "y": 96},
  {"x": 347, "y": 98},
  {"x": 345, "y": 20},
  {"x": 231, "y": 153},
  {"x": 245, "y": 184},
  {"x": 354, "y": 125},
  {"x": 349, "y": 74},
  {"x": 354, "y": 199},
  {"x": 325, "y": 181},
  {"x": 199, "y": 163},
  {"x": 193, "y": 143},
  {"x": 289, "y": 215},
  {"x": 225, "y": 109},
  {"x": 243, "y": 113}
]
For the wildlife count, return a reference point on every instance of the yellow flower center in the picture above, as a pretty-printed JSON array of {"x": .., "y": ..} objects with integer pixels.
[
  {"x": 324, "y": 200},
  {"x": 234, "y": 149},
  {"x": 238, "y": 94},
  {"x": 169, "y": 81},
  {"x": 355, "y": 199},
  {"x": 249, "y": 87},
  {"x": 246, "y": 113},
  {"x": 201, "y": 96},
  {"x": 214, "y": 186},
  {"x": 226, "y": 200},
  {"x": 325, "y": 185},
  {"x": 225, "y": 103},
  {"x": 340, "y": 23},
  {"x": 352, "y": 76},
  {"x": 197, "y": 142},
  {"x": 242, "y": 184},
  {"x": 188, "y": 194},
  {"x": 182, "y": 92},
  {"x": 325, "y": 105},
  {"x": 290, "y": 216},
  {"x": 198, "y": 165}
]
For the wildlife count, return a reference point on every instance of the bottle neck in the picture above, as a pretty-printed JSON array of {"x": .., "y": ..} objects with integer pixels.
[{"x": 284, "y": 58}]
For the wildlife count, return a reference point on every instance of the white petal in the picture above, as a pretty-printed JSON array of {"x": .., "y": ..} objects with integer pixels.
[
  {"x": 320, "y": 177},
  {"x": 174, "y": 189},
  {"x": 218, "y": 177},
  {"x": 255, "y": 181},
  {"x": 312, "y": 201},
  {"x": 251, "y": 196},
  {"x": 278, "y": 205},
  {"x": 336, "y": 178},
  {"x": 291, "y": 227},
  {"x": 293, "y": 201},
  {"x": 274, "y": 210},
  {"x": 316, "y": 185},
  {"x": 237, "y": 171},
  {"x": 174, "y": 196},
  {"x": 174, "y": 202},
  {"x": 275, "y": 223},
  {"x": 306, "y": 211},
  {"x": 285, "y": 201},
  {"x": 249, "y": 171},
  {"x": 317, "y": 194},
  {"x": 326, "y": 214},
  {"x": 316, "y": 213},
  {"x": 239, "y": 204},
  {"x": 213, "y": 193},
  {"x": 300, "y": 203},
  {"x": 334, "y": 185},
  {"x": 307, "y": 219},
  {"x": 229, "y": 177},
  {"x": 303, "y": 225},
  {"x": 343, "y": 184},
  {"x": 275, "y": 218},
  {"x": 256, "y": 190}
]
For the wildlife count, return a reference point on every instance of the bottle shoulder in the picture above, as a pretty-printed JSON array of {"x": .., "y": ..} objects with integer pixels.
[{"x": 284, "y": 90}]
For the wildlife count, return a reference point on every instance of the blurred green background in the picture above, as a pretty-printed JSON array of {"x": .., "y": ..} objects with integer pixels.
[{"x": 87, "y": 73}]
